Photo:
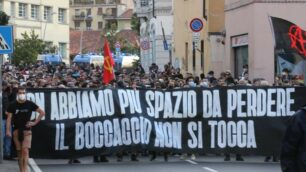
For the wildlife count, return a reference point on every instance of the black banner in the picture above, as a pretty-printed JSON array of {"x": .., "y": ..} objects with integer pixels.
[{"x": 246, "y": 120}]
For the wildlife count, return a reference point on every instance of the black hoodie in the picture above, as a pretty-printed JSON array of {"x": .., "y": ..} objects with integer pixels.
[{"x": 293, "y": 153}]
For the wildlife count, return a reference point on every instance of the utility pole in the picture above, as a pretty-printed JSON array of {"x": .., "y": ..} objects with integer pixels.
[{"x": 1, "y": 115}]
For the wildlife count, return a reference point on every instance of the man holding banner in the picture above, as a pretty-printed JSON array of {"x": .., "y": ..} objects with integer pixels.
[{"x": 21, "y": 111}]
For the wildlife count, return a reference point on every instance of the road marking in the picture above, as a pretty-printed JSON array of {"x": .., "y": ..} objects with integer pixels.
[
  {"x": 34, "y": 166},
  {"x": 191, "y": 162},
  {"x": 209, "y": 169}
]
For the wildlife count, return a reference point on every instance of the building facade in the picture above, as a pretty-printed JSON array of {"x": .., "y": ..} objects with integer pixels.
[
  {"x": 98, "y": 14},
  {"x": 155, "y": 31},
  {"x": 48, "y": 19},
  {"x": 200, "y": 52},
  {"x": 249, "y": 35}
]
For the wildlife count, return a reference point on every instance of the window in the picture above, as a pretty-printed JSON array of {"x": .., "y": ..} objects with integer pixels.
[
  {"x": 241, "y": 59},
  {"x": 47, "y": 14},
  {"x": 61, "y": 15},
  {"x": 88, "y": 25},
  {"x": 62, "y": 49},
  {"x": 88, "y": 12},
  {"x": 100, "y": 11},
  {"x": 34, "y": 12},
  {"x": 100, "y": 25},
  {"x": 22, "y": 10},
  {"x": 77, "y": 24},
  {"x": 77, "y": 12},
  {"x": 144, "y": 3},
  {"x": 13, "y": 9}
]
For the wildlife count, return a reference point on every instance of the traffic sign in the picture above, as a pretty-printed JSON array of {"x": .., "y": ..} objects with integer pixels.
[
  {"x": 166, "y": 48},
  {"x": 117, "y": 45},
  {"x": 145, "y": 45},
  {"x": 6, "y": 39},
  {"x": 196, "y": 39},
  {"x": 196, "y": 25}
]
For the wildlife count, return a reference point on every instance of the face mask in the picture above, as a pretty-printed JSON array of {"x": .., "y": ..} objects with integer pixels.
[
  {"x": 191, "y": 84},
  {"x": 21, "y": 97},
  {"x": 204, "y": 84}
]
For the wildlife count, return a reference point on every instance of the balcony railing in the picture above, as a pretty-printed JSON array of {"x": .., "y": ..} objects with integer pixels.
[
  {"x": 79, "y": 17},
  {"x": 109, "y": 17},
  {"x": 96, "y": 2}
]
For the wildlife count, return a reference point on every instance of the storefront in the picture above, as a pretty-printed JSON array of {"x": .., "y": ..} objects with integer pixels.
[
  {"x": 250, "y": 38},
  {"x": 241, "y": 54}
]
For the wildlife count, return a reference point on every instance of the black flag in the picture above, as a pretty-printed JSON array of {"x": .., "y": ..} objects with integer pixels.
[{"x": 290, "y": 47}]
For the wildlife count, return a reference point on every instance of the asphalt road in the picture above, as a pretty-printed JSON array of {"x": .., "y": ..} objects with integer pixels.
[{"x": 175, "y": 164}]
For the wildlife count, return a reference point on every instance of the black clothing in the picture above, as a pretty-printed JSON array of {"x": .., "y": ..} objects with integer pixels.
[
  {"x": 293, "y": 153},
  {"x": 22, "y": 113},
  {"x": 5, "y": 103}
]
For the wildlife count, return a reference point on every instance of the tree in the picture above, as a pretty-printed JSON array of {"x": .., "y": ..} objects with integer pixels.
[
  {"x": 27, "y": 49},
  {"x": 135, "y": 23},
  {"x": 4, "y": 18}
]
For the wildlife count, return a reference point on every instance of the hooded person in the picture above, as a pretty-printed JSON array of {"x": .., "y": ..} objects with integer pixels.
[{"x": 293, "y": 150}]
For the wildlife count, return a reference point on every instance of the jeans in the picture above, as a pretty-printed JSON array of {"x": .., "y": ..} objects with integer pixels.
[{"x": 6, "y": 141}]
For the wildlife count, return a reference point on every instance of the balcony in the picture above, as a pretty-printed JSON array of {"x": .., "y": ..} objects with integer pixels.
[
  {"x": 145, "y": 11},
  {"x": 82, "y": 3},
  {"x": 109, "y": 17},
  {"x": 82, "y": 18}
]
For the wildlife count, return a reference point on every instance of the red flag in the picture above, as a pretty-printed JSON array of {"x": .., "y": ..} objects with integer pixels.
[{"x": 108, "y": 64}]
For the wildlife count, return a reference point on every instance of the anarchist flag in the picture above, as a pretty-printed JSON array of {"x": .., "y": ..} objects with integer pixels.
[{"x": 290, "y": 47}]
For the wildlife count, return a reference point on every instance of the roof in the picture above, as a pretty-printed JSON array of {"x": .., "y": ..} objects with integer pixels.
[
  {"x": 91, "y": 42},
  {"x": 129, "y": 35},
  {"x": 128, "y": 14}
]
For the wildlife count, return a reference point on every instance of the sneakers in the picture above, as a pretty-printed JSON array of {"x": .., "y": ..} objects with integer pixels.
[
  {"x": 74, "y": 161},
  {"x": 103, "y": 158},
  {"x": 275, "y": 159},
  {"x": 183, "y": 157},
  {"x": 96, "y": 159},
  {"x": 134, "y": 158},
  {"x": 8, "y": 158},
  {"x": 193, "y": 157},
  {"x": 267, "y": 159},
  {"x": 239, "y": 158},
  {"x": 227, "y": 158},
  {"x": 166, "y": 157},
  {"x": 153, "y": 157}
]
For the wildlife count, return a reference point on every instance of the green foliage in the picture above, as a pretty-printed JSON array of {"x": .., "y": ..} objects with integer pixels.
[
  {"x": 113, "y": 37},
  {"x": 111, "y": 34},
  {"x": 4, "y": 18},
  {"x": 27, "y": 49},
  {"x": 135, "y": 23}
]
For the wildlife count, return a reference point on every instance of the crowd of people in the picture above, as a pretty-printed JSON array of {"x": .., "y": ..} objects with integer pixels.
[{"x": 89, "y": 76}]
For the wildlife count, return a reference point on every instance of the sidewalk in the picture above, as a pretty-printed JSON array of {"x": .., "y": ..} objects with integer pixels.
[{"x": 9, "y": 166}]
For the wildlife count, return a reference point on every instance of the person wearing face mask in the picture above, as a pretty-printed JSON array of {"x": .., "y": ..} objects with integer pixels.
[
  {"x": 191, "y": 83},
  {"x": 19, "y": 113},
  {"x": 204, "y": 83}
]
